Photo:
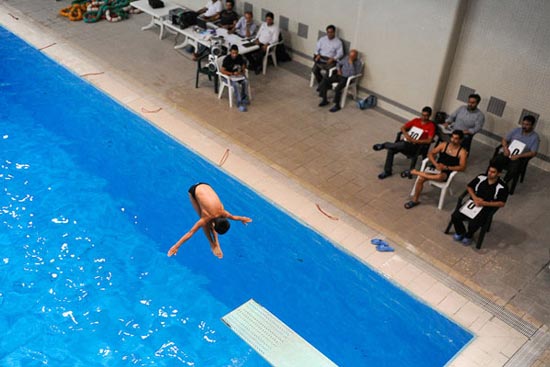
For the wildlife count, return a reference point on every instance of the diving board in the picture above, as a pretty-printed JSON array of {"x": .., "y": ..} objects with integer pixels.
[{"x": 272, "y": 339}]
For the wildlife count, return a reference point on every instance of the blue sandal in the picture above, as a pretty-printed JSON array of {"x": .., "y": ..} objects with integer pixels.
[{"x": 384, "y": 248}]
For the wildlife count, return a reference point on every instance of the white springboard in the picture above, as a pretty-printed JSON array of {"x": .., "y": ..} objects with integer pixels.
[{"x": 278, "y": 344}]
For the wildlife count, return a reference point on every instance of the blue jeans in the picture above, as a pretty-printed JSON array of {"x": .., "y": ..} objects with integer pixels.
[{"x": 241, "y": 88}]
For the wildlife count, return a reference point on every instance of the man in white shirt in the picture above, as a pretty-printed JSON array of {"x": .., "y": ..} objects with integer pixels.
[
  {"x": 327, "y": 53},
  {"x": 267, "y": 35},
  {"x": 211, "y": 10}
]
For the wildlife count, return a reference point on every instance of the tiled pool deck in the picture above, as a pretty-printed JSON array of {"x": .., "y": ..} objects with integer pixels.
[{"x": 270, "y": 158}]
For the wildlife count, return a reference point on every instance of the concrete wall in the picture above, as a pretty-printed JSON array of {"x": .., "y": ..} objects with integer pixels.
[
  {"x": 420, "y": 52},
  {"x": 504, "y": 51}
]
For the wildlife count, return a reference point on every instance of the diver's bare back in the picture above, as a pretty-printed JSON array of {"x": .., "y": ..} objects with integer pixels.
[{"x": 209, "y": 202}]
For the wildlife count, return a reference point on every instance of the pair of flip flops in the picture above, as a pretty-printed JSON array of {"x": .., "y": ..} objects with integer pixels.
[{"x": 381, "y": 245}]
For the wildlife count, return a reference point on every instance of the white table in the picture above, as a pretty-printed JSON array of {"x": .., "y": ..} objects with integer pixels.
[
  {"x": 158, "y": 16},
  {"x": 195, "y": 36}
]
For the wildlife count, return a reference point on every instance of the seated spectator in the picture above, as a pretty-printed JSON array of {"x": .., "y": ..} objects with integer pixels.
[
  {"x": 452, "y": 157},
  {"x": 245, "y": 27},
  {"x": 327, "y": 53},
  {"x": 211, "y": 10},
  {"x": 228, "y": 17},
  {"x": 487, "y": 191},
  {"x": 267, "y": 35},
  {"x": 347, "y": 67},
  {"x": 527, "y": 143},
  {"x": 234, "y": 66},
  {"x": 467, "y": 118},
  {"x": 409, "y": 144}
]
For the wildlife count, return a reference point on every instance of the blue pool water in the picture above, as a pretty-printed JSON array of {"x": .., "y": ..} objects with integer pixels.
[{"x": 93, "y": 197}]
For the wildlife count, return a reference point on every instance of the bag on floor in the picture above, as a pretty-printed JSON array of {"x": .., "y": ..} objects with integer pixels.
[{"x": 369, "y": 102}]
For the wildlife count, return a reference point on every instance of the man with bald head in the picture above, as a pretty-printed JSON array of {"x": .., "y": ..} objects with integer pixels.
[{"x": 347, "y": 67}]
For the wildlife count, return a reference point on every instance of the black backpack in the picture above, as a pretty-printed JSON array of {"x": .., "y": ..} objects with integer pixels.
[
  {"x": 155, "y": 4},
  {"x": 187, "y": 19}
]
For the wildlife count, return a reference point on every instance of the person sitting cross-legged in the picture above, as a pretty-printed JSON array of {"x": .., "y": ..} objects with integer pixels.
[
  {"x": 452, "y": 157},
  {"x": 234, "y": 66},
  {"x": 416, "y": 133},
  {"x": 518, "y": 146},
  {"x": 347, "y": 67},
  {"x": 488, "y": 192}
]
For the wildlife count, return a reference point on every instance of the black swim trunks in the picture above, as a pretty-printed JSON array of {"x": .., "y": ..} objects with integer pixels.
[{"x": 193, "y": 188}]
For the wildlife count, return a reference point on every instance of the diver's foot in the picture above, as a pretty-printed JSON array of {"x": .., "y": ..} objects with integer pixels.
[{"x": 217, "y": 251}]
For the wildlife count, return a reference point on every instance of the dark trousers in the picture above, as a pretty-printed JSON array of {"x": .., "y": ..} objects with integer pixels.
[
  {"x": 256, "y": 58},
  {"x": 395, "y": 148},
  {"x": 467, "y": 142},
  {"x": 317, "y": 69},
  {"x": 473, "y": 224},
  {"x": 326, "y": 84},
  {"x": 512, "y": 167}
]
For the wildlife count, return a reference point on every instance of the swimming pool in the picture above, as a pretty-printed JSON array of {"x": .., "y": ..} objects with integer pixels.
[{"x": 93, "y": 198}]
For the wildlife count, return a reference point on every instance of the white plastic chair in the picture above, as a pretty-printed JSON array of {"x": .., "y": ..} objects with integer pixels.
[
  {"x": 351, "y": 80},
  {"x": 441, "y": 185},
  {"x": 271, "y": 51},
  {"x": 225, "y": 81}
]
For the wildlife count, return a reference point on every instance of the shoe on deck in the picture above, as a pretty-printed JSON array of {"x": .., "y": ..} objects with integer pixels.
[
  {"x": 335, "y": 108},
  {"x": 457, "y": 237},
  {"x": 384, "y": 175},
  {"x": 323, "y": 103},
  {"x": 466, "y": 241},
  {"x": 384, "y": 248},
  {"x": 378, "y": 147}
]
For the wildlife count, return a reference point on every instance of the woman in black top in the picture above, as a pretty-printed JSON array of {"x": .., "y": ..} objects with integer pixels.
[{"x": 452, "y": 157}]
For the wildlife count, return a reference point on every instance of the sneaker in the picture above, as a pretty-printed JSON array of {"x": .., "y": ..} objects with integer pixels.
[
  {"x": 335, "y": 108},
  {"x": 466, "y": 241},
  {"x": 457, "y": 237},
  {"x": 378, "y": 147},
  {"x": 242, "y": 108},
  {"x": 323, "y": 103}
]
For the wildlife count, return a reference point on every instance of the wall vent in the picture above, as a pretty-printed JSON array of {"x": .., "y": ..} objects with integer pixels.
[
  {"x": 302, "y": 30},
  {"x": 527, "y": 112},
  {"x": 464, "y": 92},
  {"x": 283, "y": 23},
  {"x": 496, "y": 106}
]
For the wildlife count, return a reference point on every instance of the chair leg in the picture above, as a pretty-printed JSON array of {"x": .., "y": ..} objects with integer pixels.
[
  {"x": 264, "y": 66},
  {"x": 230, "y": 91},
  {"x": 249, "y": 93},
  {"x": 481, "y": 237},
  {"x": 220, "y": 91},
  {"x": 274, "y": 59},
  {"x": 344, "y": 97},
  {"x": 442, "y": 198},
  {"x": 311, "y": 80},
  {"x": 448, "y": 229}
]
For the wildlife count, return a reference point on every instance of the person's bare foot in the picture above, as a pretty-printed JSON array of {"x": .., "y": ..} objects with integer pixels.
[{"x": 217, "y": 251}]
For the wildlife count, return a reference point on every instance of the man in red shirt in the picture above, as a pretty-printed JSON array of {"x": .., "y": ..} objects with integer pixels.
[{"x": 417, "y": 132}]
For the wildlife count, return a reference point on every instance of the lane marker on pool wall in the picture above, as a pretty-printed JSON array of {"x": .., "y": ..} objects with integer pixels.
[
  {"x": 224, "y": 157},
  {"x": 272, "y": 339},
  {"x": 326, "y": 214}
]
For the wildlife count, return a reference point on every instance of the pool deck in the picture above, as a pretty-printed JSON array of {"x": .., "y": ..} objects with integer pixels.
[{"x": 308, "y": 160}]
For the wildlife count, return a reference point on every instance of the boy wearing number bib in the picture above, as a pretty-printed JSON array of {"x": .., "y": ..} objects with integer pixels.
[{"x": 488, "y": 192}]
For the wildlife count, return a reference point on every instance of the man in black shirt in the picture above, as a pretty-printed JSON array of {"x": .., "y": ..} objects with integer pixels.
[
  {"x": 234, "y": 66},
  {"x": 228, "y": 17},
  {"x": 488, "y": 193}
]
